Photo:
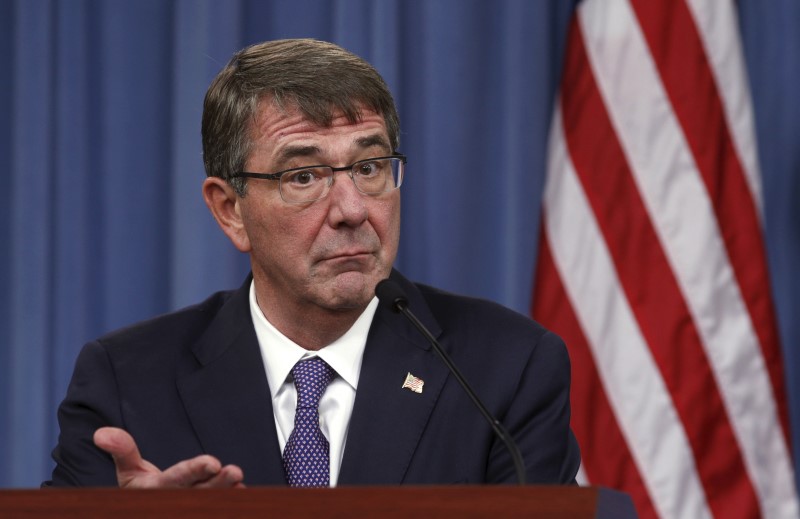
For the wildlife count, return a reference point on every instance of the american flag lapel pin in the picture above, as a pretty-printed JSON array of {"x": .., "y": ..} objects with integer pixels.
[{"x": 413, "y": 383}]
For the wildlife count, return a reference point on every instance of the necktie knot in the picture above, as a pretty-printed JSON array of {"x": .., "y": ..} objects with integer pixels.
[{"x": 311, "y": 378}]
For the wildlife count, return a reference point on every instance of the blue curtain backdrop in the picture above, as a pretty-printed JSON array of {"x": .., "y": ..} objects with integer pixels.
[{"x": 101, "y": 219}]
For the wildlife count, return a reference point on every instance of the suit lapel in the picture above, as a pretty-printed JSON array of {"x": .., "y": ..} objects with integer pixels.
[
  {"x": 388, "y": 420},
  {"x": 228, "y": 398}
]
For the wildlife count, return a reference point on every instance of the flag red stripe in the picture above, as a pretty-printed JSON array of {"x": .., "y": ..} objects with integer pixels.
[
  {"x": 651, "y": 288},
  {"x": 606, "y": 458},
  {"x": 679, "y": 55}
]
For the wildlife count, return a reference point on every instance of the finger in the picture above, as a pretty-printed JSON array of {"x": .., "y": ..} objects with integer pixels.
[
  {"x": 134, "y": 471},
  {"x": 191, "y": 472},
  {"x": 230, "y": 476}
]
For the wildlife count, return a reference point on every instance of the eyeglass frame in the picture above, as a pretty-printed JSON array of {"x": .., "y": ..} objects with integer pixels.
[{"x": 278, "y": 175}]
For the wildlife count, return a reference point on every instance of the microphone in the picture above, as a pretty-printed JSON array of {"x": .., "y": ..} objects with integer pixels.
[{"x": 391, "y": 294}]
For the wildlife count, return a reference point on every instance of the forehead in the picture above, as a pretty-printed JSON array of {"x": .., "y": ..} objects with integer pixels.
[{"x": 277, "y": 128}]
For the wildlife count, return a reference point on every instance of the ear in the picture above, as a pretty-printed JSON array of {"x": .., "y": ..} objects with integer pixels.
[{"x": 224, "y": 204}]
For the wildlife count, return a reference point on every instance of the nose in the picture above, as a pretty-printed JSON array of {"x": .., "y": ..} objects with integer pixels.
[{"x": 347, "y": 205}]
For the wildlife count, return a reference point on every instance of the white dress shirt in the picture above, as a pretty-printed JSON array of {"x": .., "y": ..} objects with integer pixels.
[{"x": 344, "y": 355}]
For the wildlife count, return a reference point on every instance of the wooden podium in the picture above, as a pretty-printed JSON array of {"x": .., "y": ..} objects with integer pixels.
[{"x": 541, "y": 502}]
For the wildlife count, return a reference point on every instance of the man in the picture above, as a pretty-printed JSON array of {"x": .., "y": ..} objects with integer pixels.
[{"x": 300, "y": 142}]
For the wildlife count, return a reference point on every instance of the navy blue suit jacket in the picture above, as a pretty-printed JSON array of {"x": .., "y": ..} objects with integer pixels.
[{"x": 193, "y": 382}]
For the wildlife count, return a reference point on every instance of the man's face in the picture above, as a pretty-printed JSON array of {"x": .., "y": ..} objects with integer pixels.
[{"x": 329, "y": 253}]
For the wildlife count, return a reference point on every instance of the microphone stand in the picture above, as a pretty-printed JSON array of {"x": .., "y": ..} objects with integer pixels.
[{"x": 400, "y": 304}]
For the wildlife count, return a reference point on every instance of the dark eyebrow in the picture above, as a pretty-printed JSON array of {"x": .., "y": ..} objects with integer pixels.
[
  {"x": 374, "y": 140},
  {"x": 300, "y": 150},
  {"x": 290, "y": 152}
]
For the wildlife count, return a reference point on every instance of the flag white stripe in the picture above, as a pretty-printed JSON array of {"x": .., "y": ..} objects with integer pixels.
[
  {"x": 629, "y": 374},
  {"x": 581, "y": 478},
  {"x": 684, "y": 219},
  {"x": 718, "y": 25}
]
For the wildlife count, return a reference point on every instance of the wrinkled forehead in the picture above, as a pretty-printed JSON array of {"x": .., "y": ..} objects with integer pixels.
[
  {"x": 281, "y": 133},
  {"x": 321, "y": 114},
  {"x": 279, "y": 122}
]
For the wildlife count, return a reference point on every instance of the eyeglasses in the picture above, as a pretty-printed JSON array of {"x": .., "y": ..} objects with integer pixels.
[{"x": 310, "y": 183}]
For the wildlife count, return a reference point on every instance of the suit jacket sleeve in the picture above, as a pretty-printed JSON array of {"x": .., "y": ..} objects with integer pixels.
[
  {"x": 91, "y": 403},
  {"x": 538, "y": 419},
  {"x": 182, "y": 384}
]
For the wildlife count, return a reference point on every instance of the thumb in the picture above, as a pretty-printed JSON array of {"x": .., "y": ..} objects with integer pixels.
[{"x": 122, "y": 448}]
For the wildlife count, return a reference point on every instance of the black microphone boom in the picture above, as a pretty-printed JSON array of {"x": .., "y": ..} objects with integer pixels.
[{"x": 391, "y": 294}]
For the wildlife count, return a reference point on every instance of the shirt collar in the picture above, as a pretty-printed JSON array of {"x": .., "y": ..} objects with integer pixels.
[{"x": 280, "y": 354}]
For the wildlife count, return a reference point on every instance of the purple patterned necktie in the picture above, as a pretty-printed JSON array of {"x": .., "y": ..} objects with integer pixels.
[{"x": 305, "y": 457}]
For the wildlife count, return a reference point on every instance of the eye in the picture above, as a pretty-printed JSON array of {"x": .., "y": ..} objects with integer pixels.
[
  {"x": 369, "y": 168},
  {"x": 301, "y": 178}
]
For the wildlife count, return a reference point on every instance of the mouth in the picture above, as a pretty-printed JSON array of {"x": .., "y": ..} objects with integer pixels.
[
  {"x": 347, "y": 255},
  {"x": 349, "y": 261}
]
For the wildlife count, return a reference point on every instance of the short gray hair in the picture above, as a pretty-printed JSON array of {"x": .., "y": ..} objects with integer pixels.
[{"x": 317, "y": 77}]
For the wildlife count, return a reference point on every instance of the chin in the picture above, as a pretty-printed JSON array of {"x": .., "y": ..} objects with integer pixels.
[{"x": 352, "y": 290}]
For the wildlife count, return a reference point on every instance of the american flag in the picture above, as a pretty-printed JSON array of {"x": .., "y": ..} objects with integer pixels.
[
  {"x": 413, "y": 383},
  {"x": 652, "y": 264}
]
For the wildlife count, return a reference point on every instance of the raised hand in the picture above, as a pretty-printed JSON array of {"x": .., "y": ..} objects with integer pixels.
[{"x": 203, "y": 471}]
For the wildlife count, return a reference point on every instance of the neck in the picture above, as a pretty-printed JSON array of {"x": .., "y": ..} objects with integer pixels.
[
  {"x": 311, "y": 327},
  {"x": 314, "y": 334}
]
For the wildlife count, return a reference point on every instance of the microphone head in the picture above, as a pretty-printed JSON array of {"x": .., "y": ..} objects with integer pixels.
[{"x": 391, "y": 295}]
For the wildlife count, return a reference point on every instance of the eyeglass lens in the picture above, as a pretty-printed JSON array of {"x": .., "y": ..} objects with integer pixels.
[{"x": 371, "y": 177}]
